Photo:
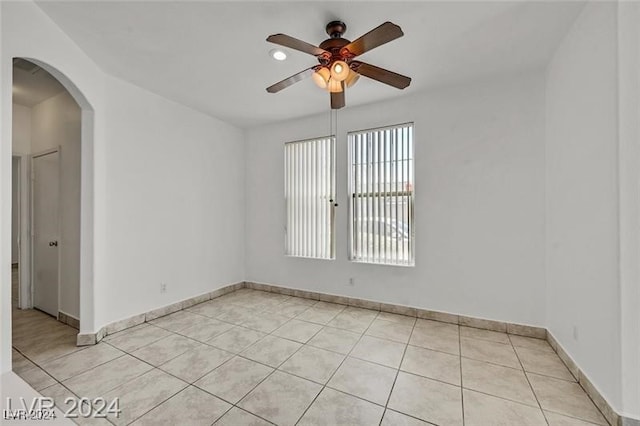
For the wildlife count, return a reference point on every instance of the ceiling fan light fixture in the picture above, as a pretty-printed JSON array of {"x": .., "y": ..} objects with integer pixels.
[
  {"x": 321, "y": 77},
  {"x": 352, "y": 78},
  {"x": 339, "y": 71}
]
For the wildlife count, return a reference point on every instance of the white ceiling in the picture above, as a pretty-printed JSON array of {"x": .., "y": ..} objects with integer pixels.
[
  {"x": 30, "y": 87},
  {"x": 213, "y": 56}
]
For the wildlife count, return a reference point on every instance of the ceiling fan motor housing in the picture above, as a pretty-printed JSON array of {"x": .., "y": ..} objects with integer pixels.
[
  {"x": 335, "y": 29},
  {"x": 334, "y": 45}
]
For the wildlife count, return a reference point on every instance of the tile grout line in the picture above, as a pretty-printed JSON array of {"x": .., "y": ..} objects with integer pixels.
[
  {"x": 80, "y": 349},
  {"x": 76, "y": 396},
  {"x": 246, "y": 411},
  {"x": 200, "y": 344},
  {"x": 96, "y": 366},
  {"x": 158, "y": 405},
  {"x": 404, "y": 352},
  {"x": 502, "y": 398},
  {"x": 36, "y": 366},
  {"x": 528, "y": 381},
  {"x": 589, "y": 422}
]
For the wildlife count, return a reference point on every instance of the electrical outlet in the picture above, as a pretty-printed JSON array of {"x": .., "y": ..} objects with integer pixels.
[
  {"x": 352, "y": 281},
  {"x": 575, "y": 332},
  {"x": 163, "y": 287}
]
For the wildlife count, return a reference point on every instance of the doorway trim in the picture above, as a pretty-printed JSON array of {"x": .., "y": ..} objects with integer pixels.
[
  {"x": 31, "y": 288},
  {"x": 24, "y": 226}
]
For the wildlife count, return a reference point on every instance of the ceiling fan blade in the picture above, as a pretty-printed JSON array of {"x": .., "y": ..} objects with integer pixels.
[
  {"x": 290, "y": 80},
  {"x": 391, "y": 78},
  {"x": 376, "y": 37},
  {"x": 337, "y": 99},
  {"x": 294, "y": 43}
]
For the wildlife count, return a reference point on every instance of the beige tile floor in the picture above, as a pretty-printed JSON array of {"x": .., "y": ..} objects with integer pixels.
[{"x": 256, "y": 358}]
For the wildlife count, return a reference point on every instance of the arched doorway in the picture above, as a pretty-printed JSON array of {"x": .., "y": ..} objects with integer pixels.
[{"x": 74, "y": 244}]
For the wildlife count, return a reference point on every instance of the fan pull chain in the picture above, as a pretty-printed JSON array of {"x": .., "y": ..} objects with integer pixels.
[
  {"x": 333, "y": 132},
  {"x": 333, "y": 123}
]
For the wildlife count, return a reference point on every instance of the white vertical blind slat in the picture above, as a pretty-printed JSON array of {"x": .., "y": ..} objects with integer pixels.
[
  {"x": 402, "y": 185},
  {"x": 308, "y": 200},
  {"x": 377, "y": 216},
  {"x": 299, "y": 201},
  {"x": 321, "y": 202},
  {"x": 369, "y": 221},
  {"x": 383, "y": 159},
  {"x": 325, "y": 200},
  {"x": 395, "y": 188}
]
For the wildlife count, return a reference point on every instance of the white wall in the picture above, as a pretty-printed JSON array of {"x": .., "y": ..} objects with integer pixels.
[
  {"x": 479, "y": 203},
  {"x": 175, "y": 182},
  {"x": 582, "y": 197},
  {"x": 151, "y": 164},
  {"x": 21, "y": 137},
  {"x": 55, "y": 122},
  {"x": 21, "y": 144},
  {"x": 629, "y": 159}
]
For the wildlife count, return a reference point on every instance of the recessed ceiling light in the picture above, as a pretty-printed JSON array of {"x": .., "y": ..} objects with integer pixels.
[{"x": 278, "y": 54}]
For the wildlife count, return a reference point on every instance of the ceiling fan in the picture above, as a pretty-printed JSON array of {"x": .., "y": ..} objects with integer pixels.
[{"x": 338, "y": 69}]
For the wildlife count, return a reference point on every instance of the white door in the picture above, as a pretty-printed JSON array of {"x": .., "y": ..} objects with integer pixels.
[{"x": 45, "y": 211}]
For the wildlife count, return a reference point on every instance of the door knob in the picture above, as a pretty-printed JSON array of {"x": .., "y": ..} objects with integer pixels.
[{"x": 53, "y": 244}]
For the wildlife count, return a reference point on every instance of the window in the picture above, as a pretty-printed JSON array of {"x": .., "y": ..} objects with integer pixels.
[
  {"x": 309, "y": 187},
  {"x": 381, "y": 185}
]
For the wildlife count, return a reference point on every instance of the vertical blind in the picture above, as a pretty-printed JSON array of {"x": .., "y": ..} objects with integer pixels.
[
  {"x": 381, "y": 185},
  {"x": 310, "y": 189}
]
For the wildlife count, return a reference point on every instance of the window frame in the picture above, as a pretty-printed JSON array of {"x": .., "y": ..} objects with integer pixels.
[{"x": 397, "y": 193}]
